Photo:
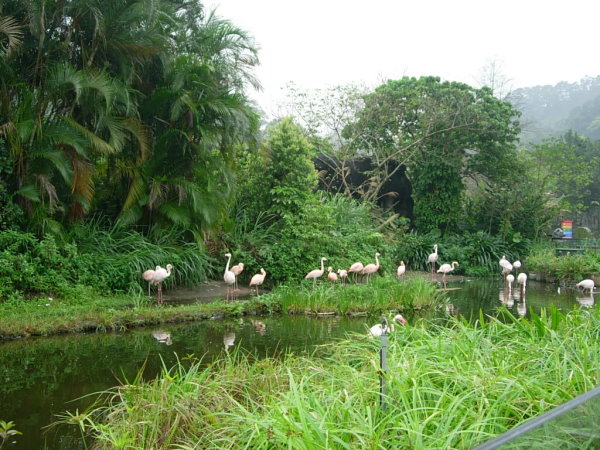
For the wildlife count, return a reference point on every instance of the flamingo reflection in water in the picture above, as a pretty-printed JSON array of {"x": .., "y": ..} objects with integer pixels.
[
  {"x": 586, "y": 301},
  {"x": 228, "y": 340},
  {"x": 522, "y": 307},
  {"x": 164, "y": 337},
  {"x": 506, "y": 298},
  {"x": 259, "y": 326}
]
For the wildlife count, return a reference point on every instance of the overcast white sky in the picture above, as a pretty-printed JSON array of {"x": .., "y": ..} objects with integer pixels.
[{"x": 323, "y": 43}]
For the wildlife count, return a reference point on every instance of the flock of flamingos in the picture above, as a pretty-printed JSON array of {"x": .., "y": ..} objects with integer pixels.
[{"x": 159, "y": 274}]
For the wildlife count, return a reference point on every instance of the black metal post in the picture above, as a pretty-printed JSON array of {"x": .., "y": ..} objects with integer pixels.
[{"x": 383, "y": 362}]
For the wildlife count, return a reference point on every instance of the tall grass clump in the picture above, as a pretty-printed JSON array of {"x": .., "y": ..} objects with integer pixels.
[
  {"x": 92, "y": 257},
  {"x": 380, "y": 295},
  {"x": 448, "y": 387},
  {"x": 115, "y": 257}
]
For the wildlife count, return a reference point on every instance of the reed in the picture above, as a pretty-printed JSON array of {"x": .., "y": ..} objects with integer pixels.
[{"x": 449, "y": 387}]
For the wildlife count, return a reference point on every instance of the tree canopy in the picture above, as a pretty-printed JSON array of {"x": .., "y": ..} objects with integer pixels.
[{"x": 129, "y": 106}]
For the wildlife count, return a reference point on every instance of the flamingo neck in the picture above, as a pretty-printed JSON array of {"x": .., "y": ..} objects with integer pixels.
[
  {"x": 322, "y": 265},
  {"x": 376, "y": 260},
  {"x": 227, "y": 265}
]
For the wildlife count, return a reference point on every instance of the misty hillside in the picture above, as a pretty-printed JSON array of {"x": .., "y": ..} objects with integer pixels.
[{"x": 552, "y": 110}]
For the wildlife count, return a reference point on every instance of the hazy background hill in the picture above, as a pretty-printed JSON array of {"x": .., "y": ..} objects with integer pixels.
[{"x": 552, "y": 110}]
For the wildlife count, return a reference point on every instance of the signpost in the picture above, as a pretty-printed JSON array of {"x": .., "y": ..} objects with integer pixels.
[{"x": 567, "y": 227}]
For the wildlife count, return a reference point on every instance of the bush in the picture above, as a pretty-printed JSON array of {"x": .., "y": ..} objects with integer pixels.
[
  {"x": 106, "y": 260},
  {"x": 568, "y": 269},
  {"x": 335, "y": 227}
]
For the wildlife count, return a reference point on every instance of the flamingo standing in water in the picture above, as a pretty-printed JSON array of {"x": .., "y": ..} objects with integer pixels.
[
  {"x": 355, "y": 269},
  {"x": 343, "y": 275},
  {"x": 148, "y": 275},
  {"x": 401, "y": 269},
  {"x": 314, "y": 274},
  {"x": 379, "y": 329},
  {"x": 586, "y": 285},
  {"x": 445, "y": 268},
  {"x": 370, "y": 269},
  {"x": 510, "y": 278},
  {"x": 506, "y": 269},
  {"x": 331, "y": 276},
  {"x": 158, "y": 277},
  {"x": 432, "y": 258},
  {"x": 258, "y": 279},
  {"x": 237, "y": 269},
  {"x": 229, "y": 278}
]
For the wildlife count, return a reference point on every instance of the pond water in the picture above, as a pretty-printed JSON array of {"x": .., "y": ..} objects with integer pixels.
[{"x": 42, "y": 377}]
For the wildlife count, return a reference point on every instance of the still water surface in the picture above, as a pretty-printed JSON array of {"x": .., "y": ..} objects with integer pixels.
[{"x": 42, "y": 377}]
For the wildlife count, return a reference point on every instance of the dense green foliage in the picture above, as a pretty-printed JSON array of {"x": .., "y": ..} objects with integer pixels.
[
  {"x": 478, "y": 253},
  {"x": 132, "y": 108},
  {"x": 137, "y": 112},
  {"x": 443, "y": 131},
  {"x": 448, "y": 387},
  {"x": 106, "y": 261}
]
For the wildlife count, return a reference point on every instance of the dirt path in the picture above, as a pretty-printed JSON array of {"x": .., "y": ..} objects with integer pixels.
[{"x": 205, "y": 293}]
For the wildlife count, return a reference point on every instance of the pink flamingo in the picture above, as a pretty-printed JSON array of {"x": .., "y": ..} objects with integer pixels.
[
  {"x": 331, "y": 276},
  {"x": 356, "y": 268},
  {"x": 445, "y": 268},
  {"x": 158, "y": 277},
  {"x": 148, "y": 276},
  {"x": 370, "y": 269},
  {"x": 314, "y": 274},
  {"x": 510, "y": 278},
  {"x": 258, "y": 279},
  {"x": 432, "y": 258},
  {"x": 237, "y": 269},
  {"x": 584, "y": 285},
  {"x": 379, "y": 329},
  {"x": 229, "y": 278},
  {"x": 343, "y": 275},
  {"x": 401, "y": 269}
]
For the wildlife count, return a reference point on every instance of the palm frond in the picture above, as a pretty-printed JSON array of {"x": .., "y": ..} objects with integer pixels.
[{"x": 12, "y": 31}]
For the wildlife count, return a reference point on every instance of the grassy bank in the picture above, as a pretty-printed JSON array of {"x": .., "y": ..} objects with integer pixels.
[
  {"x": 92, "y": 312},
  {"x": 568, "y": 269},
  {"x": 449, "y": 387}
]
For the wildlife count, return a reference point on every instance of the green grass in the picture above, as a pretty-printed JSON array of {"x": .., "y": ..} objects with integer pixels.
[
  {"x": 448, "y": 387},
  {"x": 99, "y": 313},
  {"x": 88, "y": 311},
  {"x": 381, "y": 294},
  {"x": 568, "y": 269}
]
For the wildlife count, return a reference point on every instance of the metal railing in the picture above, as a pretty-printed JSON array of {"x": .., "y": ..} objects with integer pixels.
[{"x": 572, "y": 425}]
